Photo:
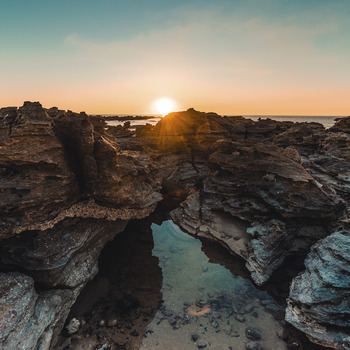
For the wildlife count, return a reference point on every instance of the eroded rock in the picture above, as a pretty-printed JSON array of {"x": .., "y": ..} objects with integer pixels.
[{"x": 319, "y": 298}]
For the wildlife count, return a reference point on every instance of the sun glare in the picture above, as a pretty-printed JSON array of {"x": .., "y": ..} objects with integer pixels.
[{"x": 164, "y": 105}]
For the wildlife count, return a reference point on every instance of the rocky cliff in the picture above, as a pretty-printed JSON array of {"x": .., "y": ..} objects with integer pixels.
[{"x": 265, "y": 190}]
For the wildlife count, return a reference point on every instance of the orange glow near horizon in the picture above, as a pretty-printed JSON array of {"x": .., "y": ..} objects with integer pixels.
[
  {"x": 229, "y": 57},
  {"x": 164, "y": 105},
  {"x": 312, "y": 104}
]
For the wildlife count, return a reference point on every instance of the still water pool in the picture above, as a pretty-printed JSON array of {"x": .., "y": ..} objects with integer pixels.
[
  {"x": 159, "y": 288},
  {"x": 204, "y": 304}
]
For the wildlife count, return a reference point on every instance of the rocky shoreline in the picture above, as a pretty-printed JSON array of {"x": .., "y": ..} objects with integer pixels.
[{"x": 264, "y": 190}]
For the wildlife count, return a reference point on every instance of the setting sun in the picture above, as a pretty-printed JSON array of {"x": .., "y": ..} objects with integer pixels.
[{"x": 164, "y": 105}]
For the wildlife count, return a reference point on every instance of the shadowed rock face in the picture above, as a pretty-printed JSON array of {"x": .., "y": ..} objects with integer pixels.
[{"x": 265, "y": 190}]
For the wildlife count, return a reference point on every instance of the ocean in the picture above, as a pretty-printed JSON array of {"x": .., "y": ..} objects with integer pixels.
[{"x": 327, "y": 121}]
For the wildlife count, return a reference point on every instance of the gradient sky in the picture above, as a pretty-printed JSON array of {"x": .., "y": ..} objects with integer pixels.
[{"x": 288, "y": 57}]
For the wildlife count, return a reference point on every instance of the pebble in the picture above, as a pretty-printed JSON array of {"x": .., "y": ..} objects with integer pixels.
[
  {"x": 112, "y": 322},
  {"x": 255, "y": 346},
  {"x": 194, "y": 337},
  {"x": 134, "y": 333},
  {"x": 252, "y": 333},
  {"x": 102, "y": 347},
  {"x": 73, "y": 326},
  {"x": 101, "y": 336},
  {"x": 266, "y": 302},
  {"x": 240, "y": 318},
  {"x": 293, "y": 346},
  {"x": 201, "y": 345},
  {"x": 276, "y": 311}
]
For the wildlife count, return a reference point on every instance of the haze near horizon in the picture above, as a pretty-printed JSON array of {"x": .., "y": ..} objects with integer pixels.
[{"x": 231, "y": 57}]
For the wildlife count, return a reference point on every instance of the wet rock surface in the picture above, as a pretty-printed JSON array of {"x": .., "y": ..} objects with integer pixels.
[{"x": 264, "y": 190}]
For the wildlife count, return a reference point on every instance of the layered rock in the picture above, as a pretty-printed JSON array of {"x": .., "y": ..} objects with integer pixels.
[
  {"x": 319, "y": 298},
  {"x": 36, "y": 181},
  {"x": 268, "y": 194},
  {"x": 66, "y": 189},
  {"x": 265, "y": 190}
]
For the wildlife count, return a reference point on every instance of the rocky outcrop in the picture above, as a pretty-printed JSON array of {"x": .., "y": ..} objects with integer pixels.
[
  {"x": 272, "y": 198},
  {"x": 36, "y": 182},
  {"x": 319, "y": 299},
  {"x": 66, "y": 189},
  {"x": 51, "y": 159},
  {"x": 265, "y": 190}
]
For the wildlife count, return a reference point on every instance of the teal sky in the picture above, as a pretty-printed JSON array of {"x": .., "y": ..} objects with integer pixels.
[{"x": 232, "y": 57}]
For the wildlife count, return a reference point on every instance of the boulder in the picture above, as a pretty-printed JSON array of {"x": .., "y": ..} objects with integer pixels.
[{"x": 319, "y": 297}]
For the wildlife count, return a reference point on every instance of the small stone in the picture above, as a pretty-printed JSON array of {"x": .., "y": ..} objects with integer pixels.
[
  {"x": 73, "y": 326},
  {"x": 240, "y": 318},
  {"x": 255, "y": 346},
  {"x": 293, "y": 346},
  {"x": 201, "y": 345},
  {"x": 102, "y": 323},
  {"x": 194, "y": 337},
  {"x": 112, "y": 322},
  {"x": 266, "y": 302},
  {"x": 102, "y": 347},
  {"x": 134, "y": 333},
  {"x": 255, "y": 314},
  {"x": 101, "y": 336},
  {"x": 276, "y": 311},
  {"x": 252, "y": 333}
]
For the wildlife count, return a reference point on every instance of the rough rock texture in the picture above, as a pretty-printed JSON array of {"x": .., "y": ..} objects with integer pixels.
[
  {"x": 35, "y": 180},
  {"x": 29, "y": 320},
  {"x": 319, "y": 298},
  {"x": 257, "y": 200},
  {"x": 66, "y": 188},
  {"x": 64, "y": 256},
  {"x": 50, "y": 159},
  {"x": 263, "y": 189}
]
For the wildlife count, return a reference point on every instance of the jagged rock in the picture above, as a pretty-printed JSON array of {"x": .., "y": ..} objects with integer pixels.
[
  {"x": 319, "y": 298},
  {"x": 35, "y": 179},
  {"x": 69, "y": 183},
  {"x": 28, "y": 319},
  {"x": 50, "y": 159},
  {"x": 257, "y": 186},
  {"x": 65, "y": 255},
  {"x": 342, "y": 125}
]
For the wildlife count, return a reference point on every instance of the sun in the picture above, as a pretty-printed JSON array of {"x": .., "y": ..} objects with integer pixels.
[{"x": 164, "y": 105}]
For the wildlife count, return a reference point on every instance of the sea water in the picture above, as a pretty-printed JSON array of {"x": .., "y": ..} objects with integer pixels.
[
  {"x": 326, "y": 121},
  {"x": 204, "y": 304}
]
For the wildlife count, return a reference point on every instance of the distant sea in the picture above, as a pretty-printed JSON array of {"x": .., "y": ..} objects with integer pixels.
[{"x": 327, "y": 121}]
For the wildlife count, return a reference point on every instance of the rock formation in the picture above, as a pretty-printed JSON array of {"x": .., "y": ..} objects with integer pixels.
[
  {"x": 320, "y": 297},
  {"x": 62, "y": 197},
  {"x": 264, "y": 190}
]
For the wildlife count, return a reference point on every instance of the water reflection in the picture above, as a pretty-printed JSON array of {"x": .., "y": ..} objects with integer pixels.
[
  {"x": 205, "y": 305},
  {"x": 159, "y": 288}
]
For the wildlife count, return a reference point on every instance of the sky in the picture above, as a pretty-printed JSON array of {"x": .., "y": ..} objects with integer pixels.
[{"x": 238, "y": 57}]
